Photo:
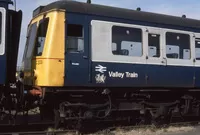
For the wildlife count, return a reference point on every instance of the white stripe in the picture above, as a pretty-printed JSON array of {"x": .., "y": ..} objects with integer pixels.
[{"x": 102, "y": 46}]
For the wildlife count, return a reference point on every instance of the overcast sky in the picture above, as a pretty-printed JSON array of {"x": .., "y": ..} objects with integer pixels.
[{"x": 172, "y": 7}]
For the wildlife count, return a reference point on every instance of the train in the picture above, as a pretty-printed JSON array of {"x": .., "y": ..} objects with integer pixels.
[{"x": 86, "y": 61}]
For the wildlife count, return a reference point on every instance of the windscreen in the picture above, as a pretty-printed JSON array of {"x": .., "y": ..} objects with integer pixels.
[{"x": 31, "y": 40}]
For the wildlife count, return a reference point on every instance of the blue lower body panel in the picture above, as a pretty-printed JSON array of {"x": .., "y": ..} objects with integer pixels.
[{"x": 142, "y": 75}]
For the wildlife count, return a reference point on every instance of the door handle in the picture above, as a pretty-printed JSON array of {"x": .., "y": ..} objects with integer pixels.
[
  {"x": 164, "y": 61},
  {"x": 85, "y": 57}
]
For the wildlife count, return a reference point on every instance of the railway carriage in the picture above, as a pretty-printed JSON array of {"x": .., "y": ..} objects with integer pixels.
[
  {"x": 103, "y": 59},
  {"x": 10, "y": 27}
]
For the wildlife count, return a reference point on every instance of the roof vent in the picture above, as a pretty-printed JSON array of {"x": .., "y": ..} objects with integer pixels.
[
  {"x": 138, "y": 9},
  {"x": 89, "y": 1},
  {"x": 183, "y": 16},
  {"x": 37, "y": 10}
]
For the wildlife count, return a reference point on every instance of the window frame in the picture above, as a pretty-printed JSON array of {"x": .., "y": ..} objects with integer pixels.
[
  {"x": 129, "y": 27},
  {"x": 178, "y": 62},
  {"x": 182, "y": 33},
  {"x": 3, "y": 28}
]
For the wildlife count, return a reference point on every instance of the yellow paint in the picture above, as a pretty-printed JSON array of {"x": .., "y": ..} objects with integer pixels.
[
  {"x": 49, "y": 73},
  {"x": 48, "y": 69}
]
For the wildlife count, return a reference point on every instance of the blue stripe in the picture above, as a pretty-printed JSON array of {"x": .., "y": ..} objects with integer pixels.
[{"x": 148, "y": 75}]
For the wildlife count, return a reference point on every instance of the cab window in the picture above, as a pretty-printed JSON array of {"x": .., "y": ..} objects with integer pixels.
[{"x": 41, "y": 36}]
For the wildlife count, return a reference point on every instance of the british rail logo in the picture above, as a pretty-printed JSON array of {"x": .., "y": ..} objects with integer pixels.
[{"x": 100, "y": 69}]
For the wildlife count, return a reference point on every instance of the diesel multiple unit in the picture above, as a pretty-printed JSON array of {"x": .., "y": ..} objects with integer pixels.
[{"x": 85, "y": 61}]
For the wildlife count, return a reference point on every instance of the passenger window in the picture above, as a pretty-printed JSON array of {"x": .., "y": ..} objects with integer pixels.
[
  {"x": 75, "y": 38},
  {"x": 178, "y": 46},
  {"x": 197, "y": 48},
  {"x": 41, "y": 36},
  {"x": 154, "y": 45},
  {"x": 1, "y": 27},
  {"x": 127, "y": 41}
]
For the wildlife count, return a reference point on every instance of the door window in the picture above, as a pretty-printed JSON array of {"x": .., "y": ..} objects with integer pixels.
[
  {"x": 154, "y": 45},
  {"x": 75, "y": 38}
]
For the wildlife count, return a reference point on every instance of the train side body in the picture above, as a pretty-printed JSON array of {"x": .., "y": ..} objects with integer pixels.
[
  {"x": 94, "y": 49},
  {"x": 101, "y": 67}
]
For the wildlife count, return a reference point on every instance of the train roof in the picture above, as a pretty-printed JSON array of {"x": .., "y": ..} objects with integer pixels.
[{"x": 121, "y": 13}]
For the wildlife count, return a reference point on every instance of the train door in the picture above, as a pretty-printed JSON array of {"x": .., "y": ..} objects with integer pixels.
[
  {"x": 76, "y": 50},
  {"x": 155, "y": 69},
  {"x": 196, "y": 59},
  {"x": 179, "y": 71}
]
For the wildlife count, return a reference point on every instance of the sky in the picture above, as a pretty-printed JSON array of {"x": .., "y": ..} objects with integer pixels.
[{"x": 170, "y": 7}]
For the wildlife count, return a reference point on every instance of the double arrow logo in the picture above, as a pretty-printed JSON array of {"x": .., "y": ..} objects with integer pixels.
[{"x": 100, "y": 69}]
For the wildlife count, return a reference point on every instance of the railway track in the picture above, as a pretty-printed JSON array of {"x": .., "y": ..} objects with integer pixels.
[{"x": 40, "y": 133}]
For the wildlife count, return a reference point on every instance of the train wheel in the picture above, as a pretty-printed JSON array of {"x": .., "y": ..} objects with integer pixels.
[{"x": 162, "y": 116}]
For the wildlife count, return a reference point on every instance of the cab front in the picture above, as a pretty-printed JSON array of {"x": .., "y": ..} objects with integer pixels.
[{"x": 44, "y": 52}]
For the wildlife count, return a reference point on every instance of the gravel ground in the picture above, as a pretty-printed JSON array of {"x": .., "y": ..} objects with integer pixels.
[
  {"x": 165, "y": 131},
  {"x": 185, "y": 130},
  {"x": 151, "y": 131}
]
